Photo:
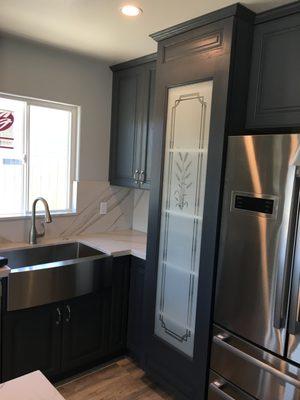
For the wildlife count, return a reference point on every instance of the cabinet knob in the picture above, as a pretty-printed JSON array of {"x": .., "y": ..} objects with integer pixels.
[{"x": 136, "y": 176}]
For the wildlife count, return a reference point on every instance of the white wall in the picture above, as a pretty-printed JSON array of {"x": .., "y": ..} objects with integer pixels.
[{"x": 34, "y": 70}]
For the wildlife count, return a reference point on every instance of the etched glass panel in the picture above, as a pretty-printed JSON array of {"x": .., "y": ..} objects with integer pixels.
[{"x": 187, "y": 135}]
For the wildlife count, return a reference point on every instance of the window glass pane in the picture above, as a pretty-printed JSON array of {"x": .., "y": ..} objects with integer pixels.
[
  {"x": 12, "y": 133},
  {"x": 49, "y": 156}
]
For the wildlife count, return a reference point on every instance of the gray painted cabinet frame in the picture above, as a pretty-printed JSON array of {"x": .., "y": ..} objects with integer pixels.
[{"x": 131, "y": 134}]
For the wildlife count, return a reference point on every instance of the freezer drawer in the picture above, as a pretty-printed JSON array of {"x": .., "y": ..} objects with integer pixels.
[
  {"x": 220, "y": 389},
  {"x": 257, "y": 372}
]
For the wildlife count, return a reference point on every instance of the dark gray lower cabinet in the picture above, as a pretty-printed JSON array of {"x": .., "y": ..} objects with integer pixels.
[
  {"x": 117, "y": 340},
  {"x": 135, "y": 334},
  {"x": 85, "y": 330},
  {"x": 62, "y": 338},
  {"x": 31, "y": 340}
]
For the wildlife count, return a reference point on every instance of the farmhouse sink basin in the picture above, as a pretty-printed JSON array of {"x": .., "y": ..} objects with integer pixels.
[
  {"x": 47, "y": 274},
  {"x": 35, "y": 257}
]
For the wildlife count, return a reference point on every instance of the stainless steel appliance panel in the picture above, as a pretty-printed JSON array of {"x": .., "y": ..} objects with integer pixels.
[
  {"x": 257, "y": 225},
  {"x": 57, "y": 281},
  {"x": 220, "y": 389},
  {"x": 257, "y": 372}
]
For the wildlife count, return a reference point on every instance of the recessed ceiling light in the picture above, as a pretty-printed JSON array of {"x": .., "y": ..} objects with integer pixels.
[{"x": 131, "y": 11}]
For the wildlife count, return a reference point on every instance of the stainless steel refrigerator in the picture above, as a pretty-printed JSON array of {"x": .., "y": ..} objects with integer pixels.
[{"x": 256, "y": 338}]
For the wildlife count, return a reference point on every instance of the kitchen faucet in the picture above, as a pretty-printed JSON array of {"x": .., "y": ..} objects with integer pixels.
[{"x": 48, "y": 219}]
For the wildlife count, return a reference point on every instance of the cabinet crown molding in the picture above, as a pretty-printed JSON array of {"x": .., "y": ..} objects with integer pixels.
[
  {"x": 235, "y": 10},
  {"x": 278, "y": 12},
  {"x": 134, "y": 63}
]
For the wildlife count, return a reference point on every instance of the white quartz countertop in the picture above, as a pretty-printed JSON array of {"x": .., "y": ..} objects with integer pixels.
[
  {"x": 116, "y": 243},
  {"x": 4, "y": 272},
  {"x": 33, "y": 386},
  {"x": 119, "y": 243}
]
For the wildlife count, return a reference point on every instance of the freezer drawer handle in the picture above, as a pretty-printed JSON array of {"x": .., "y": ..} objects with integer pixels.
[
  {"x": 220, "y": 340},
  {"x": 216, "y": 386}
]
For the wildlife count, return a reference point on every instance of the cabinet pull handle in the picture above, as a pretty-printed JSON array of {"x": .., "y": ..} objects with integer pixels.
[
  {"x": 136, "y": 176},
  {"x": 58, "y": 319},
  {"x": 68, "y": 318},
  {"x": 142, "y": 176}
]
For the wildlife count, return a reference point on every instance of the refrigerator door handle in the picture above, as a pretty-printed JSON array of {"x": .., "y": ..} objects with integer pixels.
[
  {"x": 287, "y": 257},
  {"x": 220, "y": 340},
  {"x": 294, "y": 322},
  {"x": 216, "y": 386},
  {"x": 281, "y": 298},
  {"x": 294, "y": 325}
]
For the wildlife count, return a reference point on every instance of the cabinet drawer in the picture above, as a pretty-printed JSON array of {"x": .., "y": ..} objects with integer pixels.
[
  {"x": 220, "y": 389},
  {"x": 256, "y": 371}
]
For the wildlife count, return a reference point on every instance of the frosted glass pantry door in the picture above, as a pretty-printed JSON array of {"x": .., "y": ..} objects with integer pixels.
[{"x": 187, "y": 137}]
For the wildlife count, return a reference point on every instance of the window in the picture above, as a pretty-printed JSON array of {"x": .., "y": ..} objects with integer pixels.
[{"x": 37, "y": 154}]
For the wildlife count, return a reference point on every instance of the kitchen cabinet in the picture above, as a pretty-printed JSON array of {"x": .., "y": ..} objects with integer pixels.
[
  {"x": 31, "y": 340},
  {"x": 135, "y": 334},
  {"x": 63, "y": 338},
  {"x": 85, "y": 330},
  {"x": 274, "y": 100},
  {"x": 202, "y": 74},
  {"x": 56, "y": 338},
  {"x": 119, "y": 312},
  {"x": 131, "y": 133}
]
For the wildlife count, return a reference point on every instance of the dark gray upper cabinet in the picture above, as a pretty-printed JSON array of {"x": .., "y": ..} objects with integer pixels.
[
  {"x": 147, "y": 136},
  {"x": 274, "y": 100},
  {"x": 131, "y": 134}
]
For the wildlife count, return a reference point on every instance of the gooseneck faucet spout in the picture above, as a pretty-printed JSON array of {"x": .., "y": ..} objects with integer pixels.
[{"x": 48, "y": 219}]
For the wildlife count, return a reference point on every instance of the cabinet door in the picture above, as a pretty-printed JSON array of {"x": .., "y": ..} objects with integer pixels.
[
  {"x": 135, "y": 336},
  {"x": 31, "y": 341},
  {"x": 86, "y": 330},
  {"x": 274, "y": 99},
  {"x": 126, "y": 128},
  {"x": 147, "y": 135},
  {"x": 119, "y": 304}
]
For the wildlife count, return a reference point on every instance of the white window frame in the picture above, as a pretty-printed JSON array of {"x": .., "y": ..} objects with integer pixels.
[{"x": 73, "y": 152}]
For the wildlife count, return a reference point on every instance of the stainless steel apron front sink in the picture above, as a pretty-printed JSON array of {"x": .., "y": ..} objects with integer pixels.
[{"x": 46, "y": 274}]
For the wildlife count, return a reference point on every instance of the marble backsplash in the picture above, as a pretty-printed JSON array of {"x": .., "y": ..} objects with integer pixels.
[
  {"x": 140, "y": 210},
  {"x": 120, "y": 212}
]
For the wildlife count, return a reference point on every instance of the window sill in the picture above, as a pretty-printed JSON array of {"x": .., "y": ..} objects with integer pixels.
[{"x": 39, "y": 215}]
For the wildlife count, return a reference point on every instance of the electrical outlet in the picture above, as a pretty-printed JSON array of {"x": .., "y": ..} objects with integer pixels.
[{"x": 103, "y": 208}]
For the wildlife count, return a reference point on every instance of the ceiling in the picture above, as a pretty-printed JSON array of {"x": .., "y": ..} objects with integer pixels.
[{"x": 97, "y": 28}]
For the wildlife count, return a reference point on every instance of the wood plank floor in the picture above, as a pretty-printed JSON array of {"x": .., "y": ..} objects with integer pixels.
[{"x": 122, "y": 380}]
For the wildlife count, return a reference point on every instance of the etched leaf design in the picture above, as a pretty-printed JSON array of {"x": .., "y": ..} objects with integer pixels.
[
  {"x": 182, "y": 175},
  {"x": 179, "y": 167}
]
